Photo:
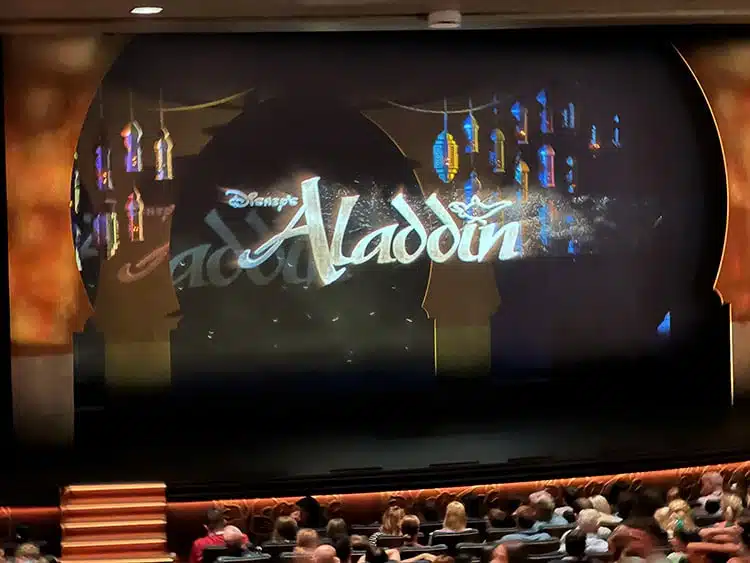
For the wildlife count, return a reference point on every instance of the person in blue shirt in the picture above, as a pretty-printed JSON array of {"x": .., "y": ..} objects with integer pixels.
[
  {"x": 525, "y": 518},
  {"x": 544, "y": 507}
]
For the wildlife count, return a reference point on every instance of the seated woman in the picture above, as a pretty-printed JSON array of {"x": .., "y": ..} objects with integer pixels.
[
  {"x": 391, "y": 524},
  {"x": 455, "y": 520},
  {"x": 588, "y": 524},
  {"x": 284, "y": 530}
]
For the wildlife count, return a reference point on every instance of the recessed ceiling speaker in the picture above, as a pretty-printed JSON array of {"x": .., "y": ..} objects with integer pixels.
[{"x": 444, "y": 19}]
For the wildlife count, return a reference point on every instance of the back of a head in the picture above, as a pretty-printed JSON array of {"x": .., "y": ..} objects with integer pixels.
[
  {"x": 625, "y": 501},
  {"x": 582, "y": 504},
  {"x": 233, "y": 536},
  {"x": 588, "y": 520},
  {"x": 376, "y": 555},
  {"x": 215, "y": 519},
  {"x": 27, "y": 552},
  {"x": 285, "y": 529},
  {"x": 343, "y": 547},
  {"x": 307, "y": 539},
  {"x": 543, "y": 504},
  {"x": 601, "y": 504},
  {"x": 336, "y": 527},
  {"x": 392, "y": 520},
  {"x": 525, "y": 517},
  {"x": 575, "y": 543},
  {"x": 731, "y": 506},
  {"x": 497, "y": 518},
  {"x": 712, "y": 506},
  {"x": 359, "y": 543},
  {"x": 455, "y": 517},
  {"x": 325, "y": 554},
  {"x": 410, "y": 526},
  {"x": 711, "y": 482},
  {"x": 646, "y": 503}
]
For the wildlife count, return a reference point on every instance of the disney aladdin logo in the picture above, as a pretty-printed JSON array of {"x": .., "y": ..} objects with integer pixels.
[{"x": 388, "y": 244}]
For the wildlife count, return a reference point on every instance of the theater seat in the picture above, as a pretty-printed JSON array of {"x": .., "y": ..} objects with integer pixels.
[
  {"x": 473, "y": 550},
  {"x": 290, "y": 556},
  {"x": 212, "y": 552},
  {"x": 366, "y": 531},
  {"x": 257, "y": 556},
  {"x": 390, "y": 542},
  {"x": 541, "y": 547},
  {"x": 428, "y": 527},
  {"x": 452, "y": 539},
  {"x": 558, "y": 531},
  {"x": 412, "y": 551},
  {"x": 545, "y": 557},
  {"x": 494, "y": 534},
  {"x": 275, "y": 549}
]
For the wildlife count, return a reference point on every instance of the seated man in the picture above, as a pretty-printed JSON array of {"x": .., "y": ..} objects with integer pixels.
[
  {"x": 325, "y": 554},
  {"x": 525, "y": 518},
  {"x": 214, "y": 535},
  {"x": 588, "y": 524},
  {"x": 544, "y": 507}
]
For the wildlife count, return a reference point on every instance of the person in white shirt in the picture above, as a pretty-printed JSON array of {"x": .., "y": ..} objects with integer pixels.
[{"x": 596, "y": 536}]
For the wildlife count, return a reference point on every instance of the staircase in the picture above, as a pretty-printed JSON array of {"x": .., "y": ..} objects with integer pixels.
[{"x": 123, "y": 523}]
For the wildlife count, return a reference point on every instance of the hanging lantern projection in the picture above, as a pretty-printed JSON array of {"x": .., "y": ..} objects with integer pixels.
[
  {"x": 546, "y": 125},
  {"x": 471, "y": 130},
  {"x": 497, "y": 155},
  {"x": 546, "y": 166},
  {"x": 107, "y": 233},
  {"x": 131, "y": 135},
  {"x": 134, "y": 208},
  {"x": 472, "y": 186},
  {"x": 521, "y": 117},
  {"x": 75, "y": 209},
  {"x": 103, "y": 163},
  {"x": 569, "y": 116},
  {"x": 616, "y": 132},
  {"x": 571, "y": 174},
  {"x": 594, "y": 145},
  {"x": 445, "y": 153},
  {"x": 522, "y": 180},
  {"x": 163, "y": 149}
]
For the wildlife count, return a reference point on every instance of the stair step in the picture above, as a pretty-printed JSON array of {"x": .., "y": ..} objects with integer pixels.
[
  {"x": 108, "y": 545},
  {"x": 156, "y": 526},
  {"x": 136, "y": 506},
  {"x": 116, "y": 489},
  {"x": 119, "y": 558},
  {"x": 84, "y": 517},
  {"x": 112, "y": 500}
]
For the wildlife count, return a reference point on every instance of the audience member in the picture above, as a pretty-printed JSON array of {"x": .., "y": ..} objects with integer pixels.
[
  {"x": 625, "y": 502},
  {"x": 525, "y": 520},
  {"x": 28, "y": 553},
  {"x": 588, "y": 524},
  {"x": 236, "y": 540},
  {"x": 343, "y": 548},
  {"x": 359, "y": 543},
  {"x": 497, "y": 518},
  {"x": 325, "y": 554},
  {"x": 391, "y": 524},
  {"x": 679, "y": 542},
  {"x": 575, "y": 546},
  {"x": 679, "y": 517},
  {"x": 500, "y": 554},
  {"x": 601, "y": 505},
  {"x": 712, "y": 487},
  {"x": 307, "y": 541},
  {"x": 284, "y": 530},
  {"x": 336, "y": 528},
  {"x": 636, "y": 541},
  {"x": 455, "y": 518},
  {"x": 308, "y": 513},
  {"x": 544, "y": 507},
  {"x": 410, "y": 530},
  {"x": 674, "y": 494},
  {"x": 214, "y": 535}
]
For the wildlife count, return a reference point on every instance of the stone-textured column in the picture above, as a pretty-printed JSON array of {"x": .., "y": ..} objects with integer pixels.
[
  {"x": 49, "y": 85},
  {"x": 723, "y": 72}
]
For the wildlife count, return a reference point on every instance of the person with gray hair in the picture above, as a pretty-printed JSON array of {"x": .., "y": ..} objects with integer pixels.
[
  {"x": 544, "y": 507},
  {"x": 596, "y": 536}
]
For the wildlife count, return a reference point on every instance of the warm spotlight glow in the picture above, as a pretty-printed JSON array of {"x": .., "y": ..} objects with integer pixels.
[{"x": 146, "y": 10}]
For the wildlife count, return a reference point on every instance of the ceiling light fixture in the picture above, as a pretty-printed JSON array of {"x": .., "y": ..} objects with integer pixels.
[{"x": 146, "y": 10}]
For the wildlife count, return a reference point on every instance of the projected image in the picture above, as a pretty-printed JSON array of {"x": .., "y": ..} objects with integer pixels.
[{"x": 282, "y": 204}]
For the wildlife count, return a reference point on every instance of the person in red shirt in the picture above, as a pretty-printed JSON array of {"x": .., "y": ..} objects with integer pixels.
[{"x": 214, "y": 535}]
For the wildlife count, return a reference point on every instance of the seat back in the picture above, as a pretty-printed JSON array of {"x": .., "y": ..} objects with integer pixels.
[
  {"x": 494, "y": 534},
  {"x": 412, "y": 551},
  {"x": 250, "y": 557},
  {"x": 473, "y": 550},
  {"x": 558, "y": 531},
  {"x": 541, "y": 547},
  {"x": 275, "y": 549},
  {"x": 292, "y": 557},
  {"x": 452, "y": 539},
  {"x": 366, "y": 531},
  {"x": 390, "y": 542},
  {"x": 212, "y": 552}
]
